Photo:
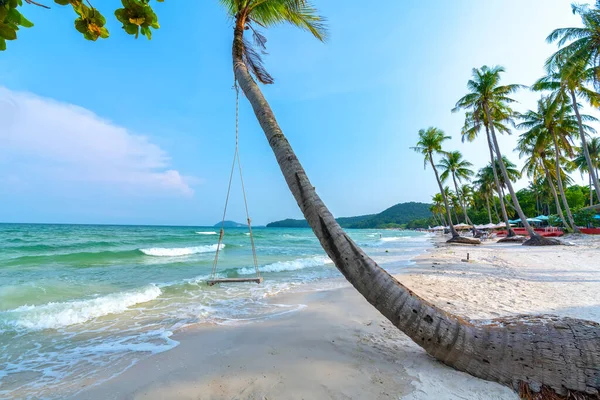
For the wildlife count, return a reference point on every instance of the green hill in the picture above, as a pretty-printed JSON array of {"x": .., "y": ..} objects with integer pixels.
[
  {"x": 288, "y": 223},
  {"x": 400, "y": 215}
]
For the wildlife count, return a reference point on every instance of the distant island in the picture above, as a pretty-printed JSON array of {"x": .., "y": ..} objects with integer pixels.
[
  {"x": 403, "y": 215},
  {"x": 229, "y": 224}
]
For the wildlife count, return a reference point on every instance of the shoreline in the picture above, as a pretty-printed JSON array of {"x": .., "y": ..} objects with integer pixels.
[{"x": 338, "y": 346}]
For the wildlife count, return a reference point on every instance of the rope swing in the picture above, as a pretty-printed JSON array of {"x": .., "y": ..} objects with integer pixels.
[{"x": 236, "y": 158}]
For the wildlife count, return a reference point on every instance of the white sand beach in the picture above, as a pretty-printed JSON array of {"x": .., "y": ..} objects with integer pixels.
[{"x": 340, "y": 347}]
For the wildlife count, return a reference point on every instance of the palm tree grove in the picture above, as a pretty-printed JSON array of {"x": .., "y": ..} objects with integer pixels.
[{"x": 543, "y": 192}]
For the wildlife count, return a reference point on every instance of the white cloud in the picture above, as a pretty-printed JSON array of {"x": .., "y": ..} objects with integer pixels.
[{"x": 41, "y": 138}]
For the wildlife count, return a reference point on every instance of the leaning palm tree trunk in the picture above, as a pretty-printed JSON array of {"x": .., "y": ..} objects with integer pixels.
[
  {"x": 455, "y": 214},
  {"x": 439, "y": 181},
  {"x": 496, "y": 207},
  {"x": 553, "y": 190},
  {"x": 561, "y": 189},
  {"x": 509, "y": 231},
  {"x": 443, "y": 219},
  {"x": 586, "y": 151},
  {"x": 591, "y": 190},
  {"x": 528, "y": 351},
  {"x": 487, "y": 203},
  {"x": 460, "y": 200},
  {"x": 437, "y": 219},
  {"x": 534, "y": 238}
]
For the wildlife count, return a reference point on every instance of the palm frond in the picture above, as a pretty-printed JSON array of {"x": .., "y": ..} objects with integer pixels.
[
  {"x": 254, "y": 62},
  {"x": 231, "y": 7},
  {"x": 299, "y": 13},
  {"x": 564, "y": 35}
]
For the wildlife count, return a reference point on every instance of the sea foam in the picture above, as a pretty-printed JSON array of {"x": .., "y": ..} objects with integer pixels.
[
  {"x": 180, "y": 251},
  {"x": 206, "y": 233},
  {"x": 59, "y": 315},
  {"x": 292, "y": 265},
  {"x": 393, "y": 239}
]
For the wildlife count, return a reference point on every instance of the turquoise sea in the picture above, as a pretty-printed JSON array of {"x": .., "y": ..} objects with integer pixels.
[{"x": 82, "y": 303}]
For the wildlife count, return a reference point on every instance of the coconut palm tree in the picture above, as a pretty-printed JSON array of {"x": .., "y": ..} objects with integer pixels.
[
  {"x": 453, "y": 164},
  {"x": 535, "y": 144},
  {"x": 567, "y": 79},
  {"x": 474, "y": 121},
  {"x": 488, "y": 97},
  {"x": 544, "y": 190},
  {"x": 467, "y": 194},
  {"x": 594, "y": 151},
  {"x": 554, "y": 118},
  {"x": 512, "y": 172},
  {"x": 433, "y": 210},
  {"x": 539, "y": 187},
  {"x": 485, "y": 185},
  {"x": 430, "y": 143},
  {"x": 580, "y": 162},
  {"x": 439, "y": 209},
  {"x": 454, "y": 203},
  {"x": 579, "y": 45}
]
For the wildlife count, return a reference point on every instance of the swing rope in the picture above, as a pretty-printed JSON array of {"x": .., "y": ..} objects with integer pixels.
[{"x": 236, "y": 157}]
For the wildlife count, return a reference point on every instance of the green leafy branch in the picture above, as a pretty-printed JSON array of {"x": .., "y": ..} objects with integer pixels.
[
  {"x": 10, "y": 21},
  {"x": 136, "y": 16}
]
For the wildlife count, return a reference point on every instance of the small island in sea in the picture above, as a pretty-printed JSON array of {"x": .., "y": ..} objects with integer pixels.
[{"x": 229, "y": 224}]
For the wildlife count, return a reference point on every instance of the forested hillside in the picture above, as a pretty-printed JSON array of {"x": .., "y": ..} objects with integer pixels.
[{"x": 399, "y": 216}]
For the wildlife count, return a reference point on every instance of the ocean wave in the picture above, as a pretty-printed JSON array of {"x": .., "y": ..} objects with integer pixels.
[
  {"x": 192, "y": 281},
  {"x": 180, "y": 251},
  {"x": 393, "y": 239},
  {"x": 293, "y": 265},
  {"x": 287, "y": 236},
  {"x": 206, "y": 233},
  {"x": 60, "y": 315}
]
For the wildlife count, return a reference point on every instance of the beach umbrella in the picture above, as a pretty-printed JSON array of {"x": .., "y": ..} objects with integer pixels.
[
  {"x": 542, "y": 218},
  {"x": 533, "y": 220},
  {"x": 490, "y": 226},
  {"x": 514, "y": 221},
  {"x": 597, "y": 216}
]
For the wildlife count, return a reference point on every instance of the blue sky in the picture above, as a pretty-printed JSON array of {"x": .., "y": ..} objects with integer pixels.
[{"x": 141, "y": 132}]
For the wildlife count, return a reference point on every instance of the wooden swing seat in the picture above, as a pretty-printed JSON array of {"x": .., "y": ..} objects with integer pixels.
[
  {"x": 212, "y": 282},
  {"x": 236, "y": 157}
]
